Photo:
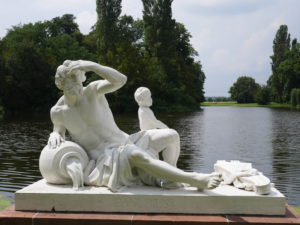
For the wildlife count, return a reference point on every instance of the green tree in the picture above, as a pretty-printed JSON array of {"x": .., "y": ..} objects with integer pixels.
[
  {"x": 108, "y": 12},
  {"x": 119, "y": 46},
  {"x": 263, "y": 95},
  {"x": 30, "y": 55},
  {"x": 63, "y": 25},
  {"x": 190, "y": 71},
  {"x": 281, "y": 45},
  {"x": 289, "y": 70},
  {"x": 130, "y": 30},
  {"x": 159, "y": 28},
  {"x": 168, "y": 48},
  {"x": 2, "y": 72},
  {"x": 294, "y": 93},
  {"x": 26, "y": 68},
  {"x": 244, "y": 90},
  {"x": 160, "y": 41}
]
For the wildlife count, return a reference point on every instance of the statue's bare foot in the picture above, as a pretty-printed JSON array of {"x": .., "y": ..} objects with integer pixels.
[{"x": 207, "y": 181}]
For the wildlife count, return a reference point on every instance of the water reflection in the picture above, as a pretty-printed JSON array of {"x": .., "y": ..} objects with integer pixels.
[
  {"x": 20, "y": 146},
  {"x": 268, "y": 138},
  {"x": 286, "y": 154}
]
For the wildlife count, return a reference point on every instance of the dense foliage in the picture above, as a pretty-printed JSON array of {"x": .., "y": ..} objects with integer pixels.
[
  {"x": 295, "y": 97},
  {"x": 153, "y": 52},
  {"x": 168, "y": 48},
  {"x": 285, "y": 66},
  {"x": 218, "y": 99},
  {"x": 29, "y": 56},
  {"x": 244, "y": 90},
  {"x": 263, "y": 95}
]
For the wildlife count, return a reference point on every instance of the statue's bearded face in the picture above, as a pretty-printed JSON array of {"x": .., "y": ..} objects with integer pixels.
[{"x": 73, "y": 83}]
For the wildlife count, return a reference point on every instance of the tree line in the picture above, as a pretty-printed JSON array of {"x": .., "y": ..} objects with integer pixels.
[
  {"x": 154, "y": 51},
  {"x": 284, "y": 81},
  {"x": 218, "y": 99}
]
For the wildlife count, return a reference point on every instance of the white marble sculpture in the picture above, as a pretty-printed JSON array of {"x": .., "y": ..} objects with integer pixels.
[
  {"x": 115, "y": 159},
  {"x": 243, "y": 176}
]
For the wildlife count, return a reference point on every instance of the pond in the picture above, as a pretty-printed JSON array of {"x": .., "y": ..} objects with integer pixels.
[{"x": 268, "y": 138}]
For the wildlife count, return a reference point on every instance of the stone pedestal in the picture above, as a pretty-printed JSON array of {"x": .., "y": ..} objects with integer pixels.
[
  {"x": 41, "y": 196},
  {"x": 10, "y": 216}
]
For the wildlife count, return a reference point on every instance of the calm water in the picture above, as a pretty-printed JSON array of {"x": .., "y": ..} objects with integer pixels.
[{"x": 268, "y": 138}]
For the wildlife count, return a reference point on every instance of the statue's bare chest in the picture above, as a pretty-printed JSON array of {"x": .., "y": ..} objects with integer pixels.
[{"x": 85, "y": 116}]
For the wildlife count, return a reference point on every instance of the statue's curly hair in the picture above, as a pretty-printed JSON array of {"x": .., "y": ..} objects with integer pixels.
[{"x": 61, "y": 74}]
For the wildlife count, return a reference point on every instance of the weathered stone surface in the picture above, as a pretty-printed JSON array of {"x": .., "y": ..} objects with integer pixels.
[{"x": 41, "y": 196}]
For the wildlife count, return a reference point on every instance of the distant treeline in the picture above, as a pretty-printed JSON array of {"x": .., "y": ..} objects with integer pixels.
[
  {"x": 154, "y": 52},
  {"x": 284, "y": 82},
  {"x": 218, "y": 99}
]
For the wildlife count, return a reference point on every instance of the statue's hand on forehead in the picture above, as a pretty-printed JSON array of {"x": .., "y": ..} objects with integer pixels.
[{"x": 80, "y": 65}]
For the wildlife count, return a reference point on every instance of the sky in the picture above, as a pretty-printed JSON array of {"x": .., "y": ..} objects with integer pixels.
[{"x": 233, "y": 37}]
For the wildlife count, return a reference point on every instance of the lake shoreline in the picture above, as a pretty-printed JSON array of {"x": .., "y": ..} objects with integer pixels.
[{"x": 234, "y": 104}]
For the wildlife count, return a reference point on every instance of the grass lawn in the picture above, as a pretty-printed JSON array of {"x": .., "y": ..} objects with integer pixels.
[
  {"x": 271, "y": 105},
  {"x": 4, "y": 203},
  {"x": 297, "y": 209}
]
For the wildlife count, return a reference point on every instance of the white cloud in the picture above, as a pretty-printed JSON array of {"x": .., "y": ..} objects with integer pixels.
[
  {"x": 209, "y": 3},
  {"x": 57, "y": 5},
  {"x": 85, "y": 20},
  {"x": 220, "y": 57}
]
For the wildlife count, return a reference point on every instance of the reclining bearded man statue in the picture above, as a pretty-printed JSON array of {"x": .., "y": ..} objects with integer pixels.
[{"x": 116, "y": 159}]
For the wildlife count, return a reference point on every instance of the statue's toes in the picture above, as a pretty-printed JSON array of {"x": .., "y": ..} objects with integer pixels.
[{"x": 213, "y": 183}]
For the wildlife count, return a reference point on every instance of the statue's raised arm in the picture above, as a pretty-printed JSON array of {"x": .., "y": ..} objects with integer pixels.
[{"x": 113, "y": 79}]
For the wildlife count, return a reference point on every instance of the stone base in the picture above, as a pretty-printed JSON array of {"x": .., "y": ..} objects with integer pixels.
[
  {"x": 41, "y": 196},
  {"x": 10, "y": 216}
]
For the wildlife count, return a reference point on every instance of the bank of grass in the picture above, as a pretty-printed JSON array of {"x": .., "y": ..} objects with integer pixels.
[
  {"x": 271, "y": 105},
  {"x": 4, "y": 203},
  {"x": 297, "y": 209}
]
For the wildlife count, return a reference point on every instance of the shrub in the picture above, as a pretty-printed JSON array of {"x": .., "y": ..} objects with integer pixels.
[{"x": 263, "y": 95}]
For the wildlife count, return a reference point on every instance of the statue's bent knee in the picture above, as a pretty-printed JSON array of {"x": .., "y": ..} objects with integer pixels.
[
  {"x": 137, "y": 156},
  {"x": 64, "y": 164},
  {"x": 174, "y": 134}
]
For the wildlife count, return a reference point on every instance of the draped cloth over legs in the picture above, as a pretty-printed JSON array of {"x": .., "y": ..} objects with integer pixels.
[{"x": 113, "y": 168}]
